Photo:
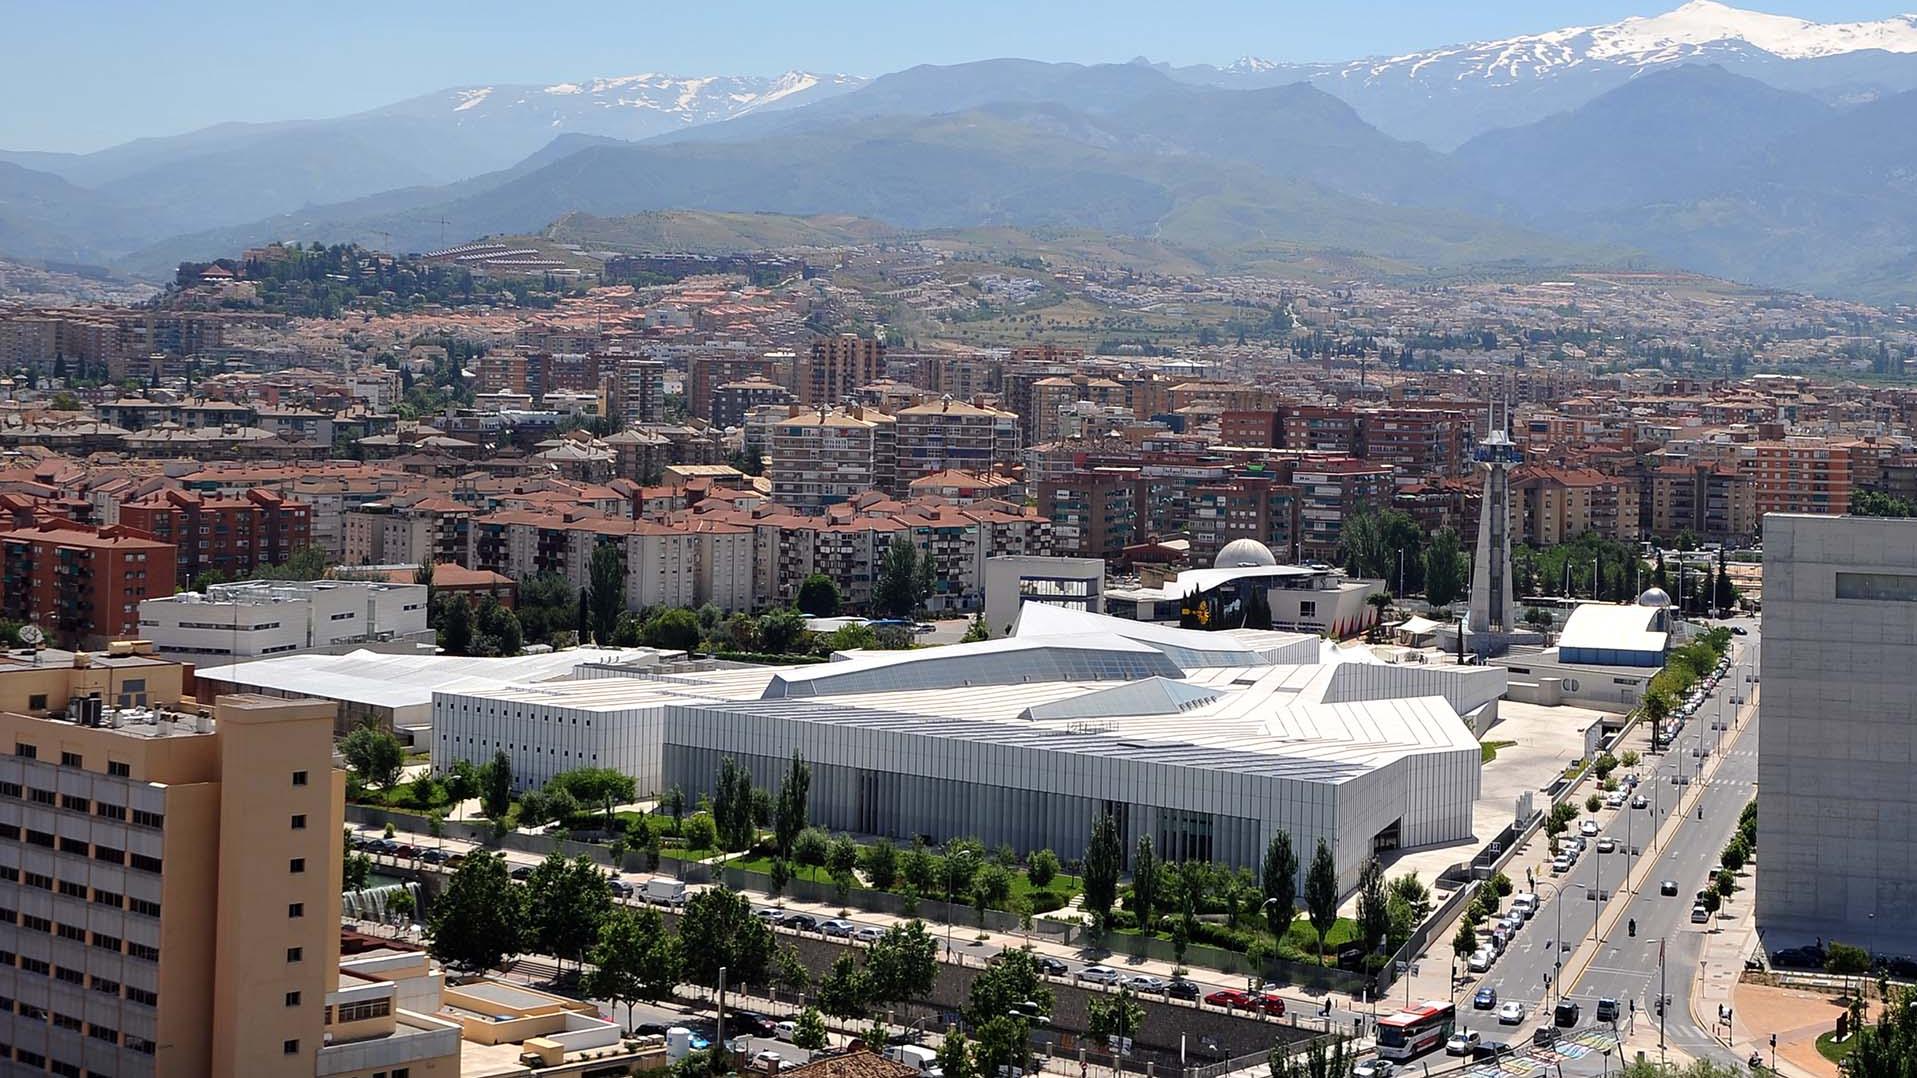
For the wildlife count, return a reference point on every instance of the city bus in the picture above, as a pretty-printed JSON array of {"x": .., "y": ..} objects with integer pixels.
[{"x": 1416, "y": 1030}]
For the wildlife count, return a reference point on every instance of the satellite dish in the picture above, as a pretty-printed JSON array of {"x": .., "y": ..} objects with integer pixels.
[{"x": 31, "y": 636}]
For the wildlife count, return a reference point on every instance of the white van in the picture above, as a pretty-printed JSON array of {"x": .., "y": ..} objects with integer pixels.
[{"x": 1524, "y": 904}]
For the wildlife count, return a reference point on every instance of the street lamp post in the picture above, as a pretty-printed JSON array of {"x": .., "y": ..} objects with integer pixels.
[{"x": 1557, "y": 940}]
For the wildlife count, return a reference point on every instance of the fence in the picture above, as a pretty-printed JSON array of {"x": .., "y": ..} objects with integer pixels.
[{"x": 1232, "y": 1066}]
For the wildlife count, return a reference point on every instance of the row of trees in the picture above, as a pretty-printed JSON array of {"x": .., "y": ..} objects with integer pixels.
[
  {"x": 1389, "y": 545},
  {"x": 1182, "y": 891}
]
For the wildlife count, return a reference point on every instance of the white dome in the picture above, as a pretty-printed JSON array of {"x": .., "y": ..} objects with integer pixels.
[
  {"x": 1654, "y": 597},
  {"x": 1243, "y": 554}
]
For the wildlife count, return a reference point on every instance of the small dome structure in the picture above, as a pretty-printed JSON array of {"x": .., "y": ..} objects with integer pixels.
[
  {"x": 1244, "y": 554},
  {"x": 1654, "y": 597}
]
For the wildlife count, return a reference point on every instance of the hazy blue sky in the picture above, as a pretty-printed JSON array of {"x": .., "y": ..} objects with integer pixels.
[{"x": 79, "y": 75}]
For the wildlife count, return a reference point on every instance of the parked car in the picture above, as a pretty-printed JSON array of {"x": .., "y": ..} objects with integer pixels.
[
  {"x": 1270, "y": 1003},
  {"x": 1607, "y": 845},
  {"x": 1052, "y": 966},
  {"x": 1145, "y": 982},
  {"x": 803, "y": 922},
  {"x": 836, "y": 927},
  {"x": 1510, "y": 1013},
  {"x": 1700, "y": 915},
  {"x": 868, "y": 933},
  {"x": 768, "y": 914},
  {"x": 1480, "y": 960},
  {"x": 1374, "y": 1068},
  {"x": 1229, "y": 997},
  {"x": 1614, "y": 799},
  {"x": 1462, "y": 1043},
  {"x": 1485, "y": 999},
  {"x": 1099, "y": 975},
  {"x": 752, "y": 1023},
  {"x": 786, "y": 1030},
  {"x": 1180, "y": 988},
  {"x": 522, "y": 872},
  {"x": 1587, "y": 828}
]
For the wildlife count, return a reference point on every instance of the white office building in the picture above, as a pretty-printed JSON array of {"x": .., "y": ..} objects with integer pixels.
[
  {"x": 1209, "y": 741},
  {"x": 252, "y": 618}
]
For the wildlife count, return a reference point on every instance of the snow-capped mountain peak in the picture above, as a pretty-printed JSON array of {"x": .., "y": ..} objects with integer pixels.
[
  {"x": 1706, "y": 22},
  {"x": 1252, "y": 65},
  {"x": 638, "y": 105}
]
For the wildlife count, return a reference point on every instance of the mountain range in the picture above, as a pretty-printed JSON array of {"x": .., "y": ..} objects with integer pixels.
[{"x": 1757, "y": 147}]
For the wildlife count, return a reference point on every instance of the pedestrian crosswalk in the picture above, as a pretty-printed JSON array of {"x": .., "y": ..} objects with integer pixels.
[{"x": 1531, "y": 1062}]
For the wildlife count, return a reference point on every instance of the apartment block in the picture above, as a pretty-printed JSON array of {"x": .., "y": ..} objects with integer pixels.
[
  {"x": 818, "y": 458},
  {"x": 1418, "y": 441},
  {"x": 1094, "y": 514},
  {"x": 707, "y": 371},
  {"x": 225, "y": 536},
  {"x": 1328, "y": 492},
  {"x": 638, "y": 388},
  {"x": 1323, "y": 430},
  {"x": 82, "y": 585},
  {"x": 1051, "y": 398},
  {"x": 171, "y": 884},
  {"x": 949, "y": 435},
  {"x": 1714, "y": 502},
  {"x": 1801, "y": 475},
  {"x": 729, "y": 404},
  {"x": 836, "y": 367},
  {"x": 1248, "y": 507},
  {"x": 428, "y": 531},
  {"x": 1556, "y": 505}
]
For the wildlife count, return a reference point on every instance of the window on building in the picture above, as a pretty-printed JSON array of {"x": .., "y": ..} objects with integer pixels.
[
  {"x": 141, "y": 995},
  {"x": 25, "y": 751},
  {"x": 106, "y": 942},
  {"x": 144, "y": 863},
  {"x": 291, "y": 1048},
  {"x": 296, "y": 865},
  {"x": 74, "y": 803},
  {"x": 299, "y": 821},
  {"x": 109, "y": 812},
  {"x": 143, "y": 818},
  {"x": 73, "y": 846},
  {"x": 299, "y": 778},
  {"x": 294, "y": 954},
  {"x": 292, "y": 999},
  {"x": 118, "y": 769},
  {"x": 296, "y": 909},
  {"x": 142, "y": 951},
  {"x": 37, "y": 702},
  {"x": 70, "y": 759},
  {"x": 109, "y": 854}
]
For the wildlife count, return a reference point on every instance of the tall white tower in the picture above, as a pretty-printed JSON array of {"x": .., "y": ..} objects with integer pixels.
[{"x": 1493, "y": 607}]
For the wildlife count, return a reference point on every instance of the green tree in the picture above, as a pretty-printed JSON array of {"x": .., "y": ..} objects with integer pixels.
[
  {"x": 375, "y": 755},
  {"x": 794, "y": 799},
  {"x": 1009, "y": 983},
  {"x": 1445, "y": 569},
  {"x": 728, "y": 936},
  {"x": 1321, "y": 1060},
  {"x": 977, "y": 630},
  {"x": 841, "y": 856},
  {"x": 497, "y": 630},
  {"x": 991, "y": 889},
  {"x": 903, "y": 963},
  {"x": 846, "y": 991},
  {"x": 566, "y": 899},
  {"x": 475, "y": 924},
  {"x": 453, "y": 620},
  {"x": 1321, "y": 894},
  {"x": 1115, "y": 1017},
  {"x": 607, "y": 572},
  {"x": 1102, "y": 858},
  {"x": 699, "y": 832},
  {"x": 1145, "y": 884},
  {"x": 673, "y": 803},
  {"x": 955, "y": 1057},
  {"x": 903, "y": 584},
  {"x": 355, "y": 868},
  {"x": 634, "y": 959},
  {"x": 880, "y": 863},
  {"x": 1279, "y": 884},
  {"x": 1002, "y": 1045},
  {"x": 732, "y": 806},
  {"x": 819, "y": 596},
  {"x": 1374, "y": 915},
  {"x": 496, "y": 786},
  {"x": 602, "y": 787},
  {"x": 1041, "y": 868},
  {"x": 811, "y": 848},
  {"x": 673, "y": 630},
  {"x": 1415, "y": 894},
  {"x": 1465, "y": 942},
  {"x": 810, "y": 1032},
  {"x": 781, "y": 632}
]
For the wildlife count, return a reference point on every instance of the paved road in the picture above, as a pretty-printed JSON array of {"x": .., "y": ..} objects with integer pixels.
[{"x": 1625, "y": 966}]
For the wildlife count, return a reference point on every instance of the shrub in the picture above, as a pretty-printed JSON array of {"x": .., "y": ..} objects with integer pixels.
[{"x": 1593, "y": 803}]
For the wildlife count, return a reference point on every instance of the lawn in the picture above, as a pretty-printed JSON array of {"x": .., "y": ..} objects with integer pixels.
[
  {"x": 1833, "y": 1049},
  {"x": 1488, "y": 750}
]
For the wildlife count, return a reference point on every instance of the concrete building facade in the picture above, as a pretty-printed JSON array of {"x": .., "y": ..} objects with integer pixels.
[
  {"x": 279, "y": 617},
  {"x": 1840, "y": 856}
]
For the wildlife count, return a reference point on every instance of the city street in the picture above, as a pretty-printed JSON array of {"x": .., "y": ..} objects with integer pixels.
[{"x": 1625, "y": 967}]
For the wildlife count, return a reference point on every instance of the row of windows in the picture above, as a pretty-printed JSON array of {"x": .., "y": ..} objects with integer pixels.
[
  {"x": 77, "y": 847},
  {"x": 75, "y": 803},
  {"x": 78, "y": 977},
  {"x": 72, "y": 889},
  {"x": 26, "y": 751}
]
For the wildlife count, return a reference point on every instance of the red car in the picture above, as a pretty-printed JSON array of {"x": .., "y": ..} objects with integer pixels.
[
  {"x": 1270, "y": 1003},
  {"x": 1230, "y": 997}
]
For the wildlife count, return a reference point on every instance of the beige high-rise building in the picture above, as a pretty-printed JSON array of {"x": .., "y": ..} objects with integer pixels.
[{"x": 171, "y": 893}]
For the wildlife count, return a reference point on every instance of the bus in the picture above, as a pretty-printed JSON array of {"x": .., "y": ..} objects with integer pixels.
[{"x": 1416, "y": 1030}]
